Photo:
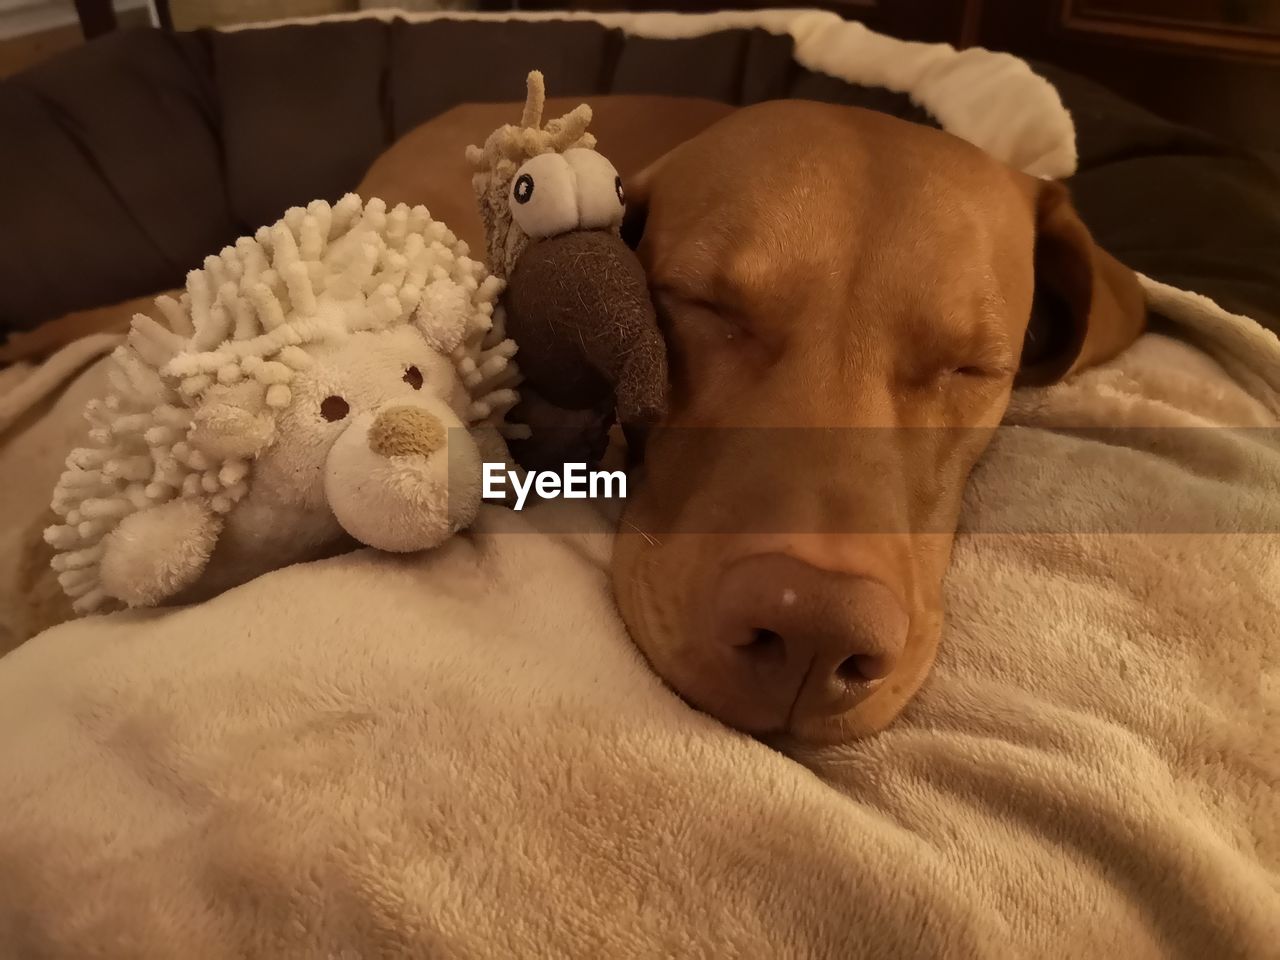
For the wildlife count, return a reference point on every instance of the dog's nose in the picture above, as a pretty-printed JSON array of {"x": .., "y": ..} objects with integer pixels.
[
  {"x": 406, "y": 431},
  {"x": 799, "y": 642}
]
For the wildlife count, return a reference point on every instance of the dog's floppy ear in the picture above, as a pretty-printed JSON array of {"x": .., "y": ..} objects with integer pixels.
[{"x": 1087, "y": 306}]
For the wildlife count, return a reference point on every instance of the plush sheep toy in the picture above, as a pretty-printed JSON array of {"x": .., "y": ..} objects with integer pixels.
[{"x": 340, "y": 375}]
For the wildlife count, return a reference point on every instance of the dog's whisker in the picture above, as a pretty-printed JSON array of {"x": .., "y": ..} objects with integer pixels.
[{"x": 649, "y": 539}]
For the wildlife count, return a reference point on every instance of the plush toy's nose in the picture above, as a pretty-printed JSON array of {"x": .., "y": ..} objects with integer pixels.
[
  {"x": 406, "y": 477},
  {"x": 406, "y": 431}
]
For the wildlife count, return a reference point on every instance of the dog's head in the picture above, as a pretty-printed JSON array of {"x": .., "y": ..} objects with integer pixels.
[{"x": 847, "y": 301}]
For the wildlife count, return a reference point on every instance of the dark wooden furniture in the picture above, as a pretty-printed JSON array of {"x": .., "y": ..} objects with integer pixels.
[{"x": 1213, "y": 64}]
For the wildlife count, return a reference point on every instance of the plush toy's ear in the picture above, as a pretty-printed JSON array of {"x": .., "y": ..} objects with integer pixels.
[
  {"x": 1087, "y": 306},
  {"x": 442, "y": 315},
  {"x": 232, "y": 422}
]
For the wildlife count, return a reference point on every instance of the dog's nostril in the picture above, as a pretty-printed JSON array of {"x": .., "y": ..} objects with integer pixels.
[
  {"x": 850, "y": 670},
  {"x": 796, "y": 643},
  {"x": 764, "y": 646},
  {"x": 861, "y": 669},
  {"x": 763, "y": 640}
]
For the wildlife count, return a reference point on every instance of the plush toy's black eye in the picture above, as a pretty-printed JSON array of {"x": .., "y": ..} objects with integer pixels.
[
  {"x": 523, "y": 189},
  {"x": 413, "y": 377},
  {"x": 334, "y": 408},
  {"x": 617, "y": 187}
]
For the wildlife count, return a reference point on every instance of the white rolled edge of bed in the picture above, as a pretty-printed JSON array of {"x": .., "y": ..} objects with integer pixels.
[{"x": 993, "y": 100}]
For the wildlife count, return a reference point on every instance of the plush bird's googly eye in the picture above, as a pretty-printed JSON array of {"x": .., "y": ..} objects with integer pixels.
[
  {"x": 543, "y": 198},
  {"x": 599, "y": 189},
  {"x": 523, "y": 190}
]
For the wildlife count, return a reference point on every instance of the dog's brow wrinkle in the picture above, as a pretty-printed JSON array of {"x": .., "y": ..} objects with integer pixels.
[
  {"x": 993, "y": 336},
  {"x": 683, "y": 283}
]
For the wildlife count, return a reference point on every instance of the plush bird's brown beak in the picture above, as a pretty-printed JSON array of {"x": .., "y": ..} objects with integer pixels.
[{"x": 578, "y": 305}]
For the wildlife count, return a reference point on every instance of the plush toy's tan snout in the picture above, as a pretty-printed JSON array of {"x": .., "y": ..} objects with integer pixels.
[
  {"x": 406, "y": 431},
  {"x": 404, "y": 477}
]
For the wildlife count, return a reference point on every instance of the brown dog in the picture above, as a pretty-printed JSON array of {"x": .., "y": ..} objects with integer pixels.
[
  {"x": 869, "y": 282},
  {"x": 845, "y": 299}
]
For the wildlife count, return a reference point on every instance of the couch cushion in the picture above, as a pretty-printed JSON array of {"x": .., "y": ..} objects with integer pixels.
[
  {"x": 302, "y": 112},
  {"x": 111, "y": 179}
]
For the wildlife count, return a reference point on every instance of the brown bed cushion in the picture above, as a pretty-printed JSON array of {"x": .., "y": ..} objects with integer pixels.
[{"x": 126, "y": 161}]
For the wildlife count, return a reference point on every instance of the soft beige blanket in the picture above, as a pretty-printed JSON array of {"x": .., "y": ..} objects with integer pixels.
[
  {"x": 460, "y": 754},
  {"x": 41, "y": 419}
]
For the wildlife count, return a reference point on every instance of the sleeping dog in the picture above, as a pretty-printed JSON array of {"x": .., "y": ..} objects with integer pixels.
[{"x": 881, "y": 286}]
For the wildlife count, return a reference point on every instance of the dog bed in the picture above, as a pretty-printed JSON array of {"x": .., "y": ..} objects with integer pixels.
[
  {"x": 165, "y": 149},
  {"x": 461, "y": 754}
]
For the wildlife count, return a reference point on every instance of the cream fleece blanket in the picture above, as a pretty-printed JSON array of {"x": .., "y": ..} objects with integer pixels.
[
  {"x": 461, "y": 754},
  {"x": 41, "y": 420}
]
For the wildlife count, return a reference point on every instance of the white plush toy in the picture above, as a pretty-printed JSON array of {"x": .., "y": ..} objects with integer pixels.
[{"x": 337, "y": 374}]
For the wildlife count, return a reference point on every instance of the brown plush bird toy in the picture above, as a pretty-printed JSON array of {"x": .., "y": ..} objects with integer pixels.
[{"x": 577, "y": 302}]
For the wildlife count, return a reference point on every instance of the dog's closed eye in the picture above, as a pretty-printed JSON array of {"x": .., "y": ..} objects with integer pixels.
[
  {"x": 954, "y": 372},
  {"x": 696, "y": 314},
  {"x": 962, "y": 352},
  {"x": 982, "y": 370}
]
